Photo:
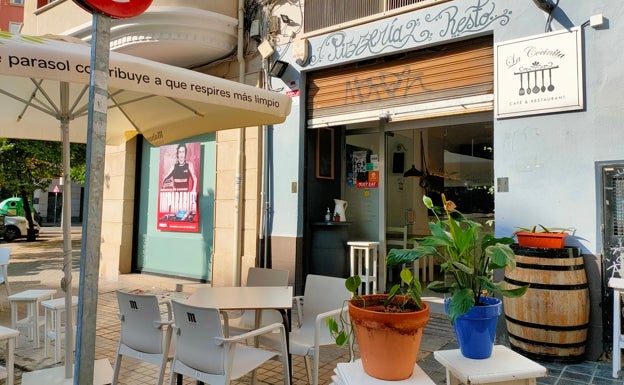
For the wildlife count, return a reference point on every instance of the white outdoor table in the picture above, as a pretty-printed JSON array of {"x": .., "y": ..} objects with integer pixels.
[
  {"x": 243, "y": 298},
  {"x": 247, "y": 298},
  {"x": 617, "y": 284},
  {"x": 32, "y": 322},
  {"x": 504, "y": 367}
]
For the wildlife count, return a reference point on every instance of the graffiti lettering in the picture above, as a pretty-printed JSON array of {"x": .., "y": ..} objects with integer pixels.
[{"x": 384, "y": 85}]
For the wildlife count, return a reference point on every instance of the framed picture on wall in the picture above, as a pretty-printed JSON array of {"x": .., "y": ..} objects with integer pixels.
[{"x": 325, "y": 153}]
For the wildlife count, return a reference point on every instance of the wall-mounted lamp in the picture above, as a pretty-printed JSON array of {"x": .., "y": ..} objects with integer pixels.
[
  {"x": 286, "y": 19},
  {"x": 544, "y": 5},
  {"x": 278, "y": 68}
]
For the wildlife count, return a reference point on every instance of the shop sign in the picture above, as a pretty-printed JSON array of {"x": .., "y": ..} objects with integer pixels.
[{"x": 539, "y": 74}]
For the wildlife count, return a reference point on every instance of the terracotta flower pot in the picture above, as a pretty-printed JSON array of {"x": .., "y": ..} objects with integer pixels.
[
  {"x": 388, "y": 342},
  {"x": 544, "y": 240}
]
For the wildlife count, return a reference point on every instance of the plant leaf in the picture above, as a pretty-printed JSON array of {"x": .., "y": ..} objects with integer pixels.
[
  {"x": 500, "y": 256},
  {"x": 400, "y": 256},
  {"x": 461, "y": 302},
  {"x": 353, "y": 283},
  {"x": 439, "y": 287}
]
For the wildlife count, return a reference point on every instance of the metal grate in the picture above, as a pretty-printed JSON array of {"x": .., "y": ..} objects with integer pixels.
[
  {"x": 618, "y": 206},
  {"x": 394, "y": 4},
  {"x": 319, "y": 14}
]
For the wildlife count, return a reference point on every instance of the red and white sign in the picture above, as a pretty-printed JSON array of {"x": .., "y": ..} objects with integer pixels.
[
  {"x": 120, "y": 9},
  {"x": 56, "y": 189}
]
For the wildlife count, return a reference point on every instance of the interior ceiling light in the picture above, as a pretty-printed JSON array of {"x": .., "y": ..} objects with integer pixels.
[{"x": 412, "y": 172}]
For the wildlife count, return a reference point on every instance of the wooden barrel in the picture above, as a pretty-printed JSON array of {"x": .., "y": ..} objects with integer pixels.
[{"x": 551, "y": 320}]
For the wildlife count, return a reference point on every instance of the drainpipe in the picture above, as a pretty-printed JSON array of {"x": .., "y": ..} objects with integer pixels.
[
  {"x": 264, "y": 211},
  {"x": 240, "y": 158}
]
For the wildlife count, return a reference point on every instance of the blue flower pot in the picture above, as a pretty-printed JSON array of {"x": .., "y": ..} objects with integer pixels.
[{"x": 476, "y": 330}]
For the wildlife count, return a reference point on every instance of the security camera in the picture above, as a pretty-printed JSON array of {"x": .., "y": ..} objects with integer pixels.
[{"x": 384, "y": 116}]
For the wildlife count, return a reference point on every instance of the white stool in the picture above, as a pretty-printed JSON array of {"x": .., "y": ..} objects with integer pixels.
[
  {"x": 9, "y": 336},
  {"x": 617, "y": 284},
  {"x": 54, "y": 328},
  {"x": 504, "y": 367},
  {"x": 362, "y": 255},
  {"x": 32, "y": 322},
  {"x": 353, "y": 373}
]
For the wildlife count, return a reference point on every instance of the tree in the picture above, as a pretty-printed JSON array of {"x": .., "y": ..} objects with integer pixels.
[{"x": 28, "y": 165}]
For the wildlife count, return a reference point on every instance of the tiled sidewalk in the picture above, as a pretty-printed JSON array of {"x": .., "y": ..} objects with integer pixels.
[{"x": 38, "y": 265}]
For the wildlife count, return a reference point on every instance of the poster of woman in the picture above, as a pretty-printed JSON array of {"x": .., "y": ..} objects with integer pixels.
[{"x": 178, "y": 193}]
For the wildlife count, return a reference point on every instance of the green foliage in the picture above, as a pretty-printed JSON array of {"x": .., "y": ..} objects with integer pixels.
[
  {"x": 31, "y": 164},
  {"x": 28, "y": 165},
  {"x": 411, "y": 291},
  {"x": 469, "y": 256},
  {"x": 544, "y": 229}
]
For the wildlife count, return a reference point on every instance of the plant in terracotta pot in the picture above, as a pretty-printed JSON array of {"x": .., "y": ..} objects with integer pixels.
[
  {"x": 468, "y": 259},
  {"x": 553, "y": 237},
  {"x": 388, "y": 327}
]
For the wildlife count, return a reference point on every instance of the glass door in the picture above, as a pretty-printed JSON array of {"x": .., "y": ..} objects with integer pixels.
[{"x": 363, "y": 190}]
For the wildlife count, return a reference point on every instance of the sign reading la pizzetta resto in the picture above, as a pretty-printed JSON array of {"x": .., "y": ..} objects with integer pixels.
[{"x": 539, "y": 74}]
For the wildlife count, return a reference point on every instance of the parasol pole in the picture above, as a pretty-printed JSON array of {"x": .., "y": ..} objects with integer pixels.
[
  {"x": 92, "y": 223},
  {"x": 66, "y": 283}
]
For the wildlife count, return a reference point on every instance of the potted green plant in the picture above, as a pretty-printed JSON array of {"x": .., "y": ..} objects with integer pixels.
[
  {"x": 553, "y": 238},
  {"x": 468, "y": 258},
  {"x": 383, "y": 325}
]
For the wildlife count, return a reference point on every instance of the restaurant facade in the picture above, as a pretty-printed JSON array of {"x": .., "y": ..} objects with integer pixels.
[{"x": 511, "y": 109}]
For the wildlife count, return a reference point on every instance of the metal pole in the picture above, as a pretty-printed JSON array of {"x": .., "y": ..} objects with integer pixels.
[
  {"x": 66, "y": 284},
  {"x": 55, "y": 206},
  {"x": 92, "y": 224}
]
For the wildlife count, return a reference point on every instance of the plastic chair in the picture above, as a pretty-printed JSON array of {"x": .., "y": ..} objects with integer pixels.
[
  {"x": 144, "y": 335},
  {"x": 257, "y": 276},
  {"x": 400, "y": 242},
  {"x": 405, "y": 243},
  {"x": 323, "y": 297},
  {"x": 5, "y": 253},
  {"x": 204, "y": 353}
]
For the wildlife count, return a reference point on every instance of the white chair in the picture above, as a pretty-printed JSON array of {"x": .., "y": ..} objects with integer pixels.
[
  {"x": 403, "y": 242},
  {"x": 204, "y": 353},
  {"x": 5, "y": 254},
  {"x": 396, "y": 237},
  {"x": 144, "y": 335},
  {"x": 323, "y": 297},
  {"x": 257, "y": 276}
]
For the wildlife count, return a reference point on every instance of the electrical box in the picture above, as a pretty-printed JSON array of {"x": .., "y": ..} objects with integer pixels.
[
  {"x": 254, "y": 30},
  {"x": 274, "y": 24},
  {"x": 265, "y": 49},
  {"x": 596, "y": 20}
]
